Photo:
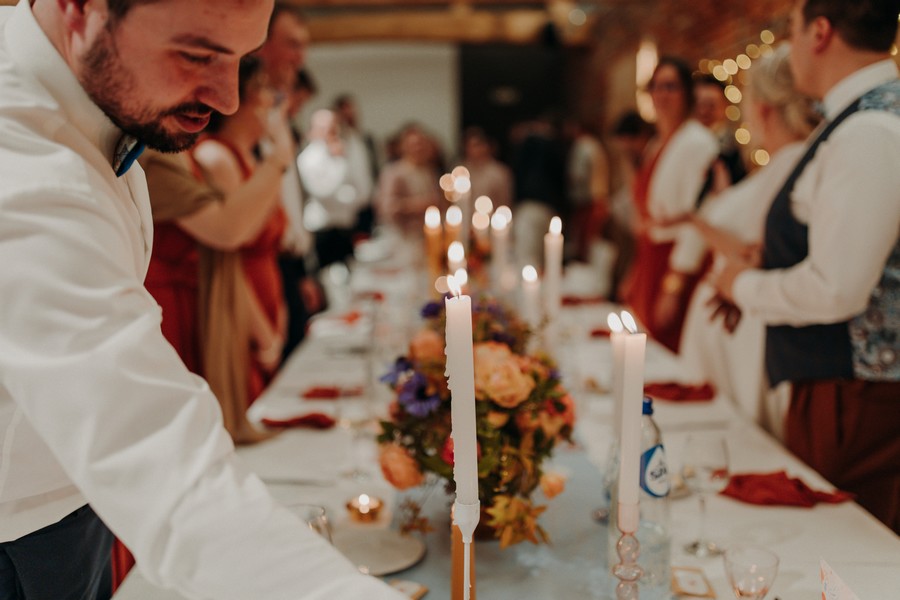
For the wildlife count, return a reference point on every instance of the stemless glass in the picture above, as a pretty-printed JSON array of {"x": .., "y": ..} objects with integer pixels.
[
  {"x": 705, "y": 471},
  {"x": 314, "y": 516},
  {"x": 750, "y": 570}
]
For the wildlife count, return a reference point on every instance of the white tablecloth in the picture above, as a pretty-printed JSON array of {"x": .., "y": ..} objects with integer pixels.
[{"x": 303, "y": 465}]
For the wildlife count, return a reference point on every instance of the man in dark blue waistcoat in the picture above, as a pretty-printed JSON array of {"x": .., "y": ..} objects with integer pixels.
[{"x": 829, "y": 284}]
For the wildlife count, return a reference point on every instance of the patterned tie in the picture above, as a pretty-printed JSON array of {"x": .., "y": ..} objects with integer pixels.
[{"x": 127, "y": 151}]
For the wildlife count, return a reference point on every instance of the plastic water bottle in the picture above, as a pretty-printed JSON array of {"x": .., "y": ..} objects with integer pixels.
[{"x": 653, "y": 530}]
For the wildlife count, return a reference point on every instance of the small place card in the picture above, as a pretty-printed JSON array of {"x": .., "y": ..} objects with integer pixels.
[
  {"x": 690, "y": 581},
  {"x": 833, "y": 587}
]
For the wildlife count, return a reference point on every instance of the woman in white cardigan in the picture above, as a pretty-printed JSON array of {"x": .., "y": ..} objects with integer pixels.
[{"x": 732, "y": 223}]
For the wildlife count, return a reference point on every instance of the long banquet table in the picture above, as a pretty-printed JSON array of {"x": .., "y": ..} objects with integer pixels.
[{"x": 303, "y": 466}]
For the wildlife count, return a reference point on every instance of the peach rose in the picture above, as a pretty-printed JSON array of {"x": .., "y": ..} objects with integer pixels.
[
  {"x": 499, "y": 377},
  {"x": 527, "y": 421},
  {"x": 399, "y": 468},
  {"x": 552, "y": 484},
  {"x": 426, "y": 346},
  {"x": 552, "y": 419}
]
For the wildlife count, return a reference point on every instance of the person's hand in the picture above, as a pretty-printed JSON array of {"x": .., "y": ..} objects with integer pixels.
[
  {"x": 269, "y": 357},
  {"x": 728, "y": 312},
  {"x": 311, "y": 294}
]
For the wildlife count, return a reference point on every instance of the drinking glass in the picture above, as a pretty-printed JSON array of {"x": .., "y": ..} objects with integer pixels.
[
  {"x": 314, "y": 516},
  {"x": 705, "y": 471},
  {"x": 750, "y": 570}
]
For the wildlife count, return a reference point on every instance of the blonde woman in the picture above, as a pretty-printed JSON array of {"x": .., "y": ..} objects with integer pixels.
[{"x": 732, "y": 223}]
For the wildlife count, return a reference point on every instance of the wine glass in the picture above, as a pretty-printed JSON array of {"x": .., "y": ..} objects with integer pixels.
[
  {"x": 750, "y": 570},
  {"x": 314, "y": 516},
  {"x": 705, "y": 471}
]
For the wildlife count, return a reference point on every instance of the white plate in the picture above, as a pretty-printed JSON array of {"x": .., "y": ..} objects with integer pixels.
[{"x": 379, "y": 551}]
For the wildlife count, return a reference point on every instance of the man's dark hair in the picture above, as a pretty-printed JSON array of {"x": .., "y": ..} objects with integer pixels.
[
  {"x": 685, "y": 77},
  {"x": 119, "y": 8},
  {"x": 284, "y": 8},
  {"x": 862, "y": 24},
  {"x": 305, "y": 81}
]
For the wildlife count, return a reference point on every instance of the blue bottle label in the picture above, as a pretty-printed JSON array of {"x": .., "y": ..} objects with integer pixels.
[{"x": 654, "y": 472}]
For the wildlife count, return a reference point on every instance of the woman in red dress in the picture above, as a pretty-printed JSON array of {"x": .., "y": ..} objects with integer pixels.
[{"x": 666, "y": 190}]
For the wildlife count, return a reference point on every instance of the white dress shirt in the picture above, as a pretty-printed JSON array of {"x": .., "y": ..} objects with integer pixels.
[
  {"x": 849, "y": 196},
  {"x": 95, "y": 406},
  {"x": 334, "y": 200},
  {"x": 678, "y": 176}
]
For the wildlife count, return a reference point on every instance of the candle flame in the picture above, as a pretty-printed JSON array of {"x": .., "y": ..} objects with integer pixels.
[
  {"x": 556, "y": 226},
  {"x": 506, "y": 212},
  {"x": 483, "y": 204},
  {"x": 480, "y": 221},
  {"x": 614, "y": 322},
  {"x": 529, "y": 273},
  {"x": 498, "y": 221},
  {"x": 455, "y": 288},
  {"x": 461, "y": 276},
  {"x": 454, "y": 216},
  {"x": 628, "y": 321},
  {"x": 432, "y": 217},
  {"x": 456, "y": 252},
  {"x": 364, "y": 499}
]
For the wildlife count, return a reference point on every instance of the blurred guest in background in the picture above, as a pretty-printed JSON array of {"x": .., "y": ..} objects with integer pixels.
[
  {"x": 335, "y": 192},
  {"x": 283, "y": 56},
  {"x": 490, "y": 177},
  {"x": 409, "y": 185},
  {"x": 709, "y": 110},
  {"x": 362, "y": 158},
  {"x": 666, "y": 190},
  {"x": 538, "y": 166},
  {"x": 587, "y": 171}
]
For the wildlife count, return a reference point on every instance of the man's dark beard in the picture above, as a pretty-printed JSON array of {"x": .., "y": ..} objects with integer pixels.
[{"x": 106, "y": 81}]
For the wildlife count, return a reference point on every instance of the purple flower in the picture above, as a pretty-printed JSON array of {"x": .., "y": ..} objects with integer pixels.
[
  {"x": 392, "y": 377},
  {"x": 414, "y": 399},
  {"x": 432, "y": 310}
]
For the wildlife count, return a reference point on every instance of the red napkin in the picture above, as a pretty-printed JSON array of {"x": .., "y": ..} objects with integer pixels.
[
  {"x": 329, "y": 392},
  {"x": 572, "y": 300},
  {"x": 600, "y": 332},
  {"x": 671, "y": 390},
  {"x": 314, "y": 420},
  {"x": 778, "y": 489}
]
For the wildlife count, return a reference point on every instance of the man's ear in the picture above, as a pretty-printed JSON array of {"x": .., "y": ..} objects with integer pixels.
[{"x": 823, "y": 34}]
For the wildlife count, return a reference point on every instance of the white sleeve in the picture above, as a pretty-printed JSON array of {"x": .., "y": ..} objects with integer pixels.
[
  {"x": 854, "y": 224},
  {"x": 82, "y": 354},
  {"x": 322, "y": 173}
]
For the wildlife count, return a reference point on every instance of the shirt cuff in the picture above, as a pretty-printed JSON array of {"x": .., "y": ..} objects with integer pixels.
[{"x": 743, "y": 290}]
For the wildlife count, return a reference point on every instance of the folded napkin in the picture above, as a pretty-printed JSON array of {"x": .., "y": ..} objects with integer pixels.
[
  {"x": 778, "y": 489},
  {"x": 315, "y": 420},
  {"x": 671, "y": 390},
  {"x": 573, "y": 300},
  {"x": 330, "y": 392}
]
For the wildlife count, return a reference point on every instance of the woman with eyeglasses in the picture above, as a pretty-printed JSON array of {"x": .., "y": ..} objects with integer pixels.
[{"x": 666, "y": 191}]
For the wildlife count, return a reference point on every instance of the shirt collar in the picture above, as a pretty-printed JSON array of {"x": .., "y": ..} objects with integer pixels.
[
  {"x": 856, "y": 84},
  {"x": 33, "y": 52}
]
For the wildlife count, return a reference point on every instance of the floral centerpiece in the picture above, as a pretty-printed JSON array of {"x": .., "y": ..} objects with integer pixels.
[{"x": 522, "y": 413}]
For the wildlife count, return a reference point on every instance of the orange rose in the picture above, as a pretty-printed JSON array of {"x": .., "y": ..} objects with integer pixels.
[
  {"x": 499, "y": 377},
  {"x": 426, "y": 346},
  {"x": 552, "y": 419},
  {"x": 399, "y": 468},
  {"x": 497, "y": 419},
  {"x": 552, "y": 484}
]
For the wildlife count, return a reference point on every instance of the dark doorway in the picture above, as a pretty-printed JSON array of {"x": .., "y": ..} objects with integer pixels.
[{"x": 504, "y": 84}]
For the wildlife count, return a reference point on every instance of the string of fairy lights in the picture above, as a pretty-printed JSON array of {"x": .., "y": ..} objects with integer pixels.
[{"x": 733, "y": 73}]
